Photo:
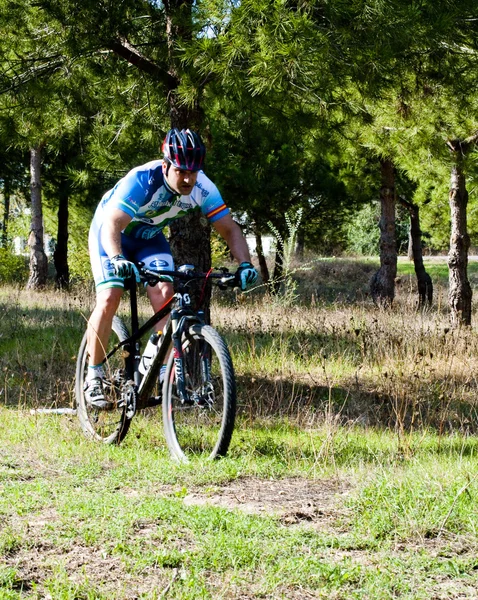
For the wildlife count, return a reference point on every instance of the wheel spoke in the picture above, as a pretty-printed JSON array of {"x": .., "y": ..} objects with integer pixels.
[
  {"x": 109, "y": 426},
  {"x": 203, "y": 425}
]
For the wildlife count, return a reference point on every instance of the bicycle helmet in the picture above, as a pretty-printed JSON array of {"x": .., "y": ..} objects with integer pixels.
[{"x": 184, "y": 149}]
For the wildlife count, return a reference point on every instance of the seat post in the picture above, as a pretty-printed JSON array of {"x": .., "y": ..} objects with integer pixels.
[
  {"x": 133, "y": 302},
  {"x": 130, "y": 285}
]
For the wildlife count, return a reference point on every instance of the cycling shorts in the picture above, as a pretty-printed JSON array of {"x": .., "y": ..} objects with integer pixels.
[{"x": 155, "y": 253}]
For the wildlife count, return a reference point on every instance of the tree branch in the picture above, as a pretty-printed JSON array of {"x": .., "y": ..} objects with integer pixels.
[
  {"x": 462, "y": 145},
  {"x": 123, "y": 48}
]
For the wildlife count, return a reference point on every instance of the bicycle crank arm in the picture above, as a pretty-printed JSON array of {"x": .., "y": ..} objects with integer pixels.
[{"x": 154, "y": 401}]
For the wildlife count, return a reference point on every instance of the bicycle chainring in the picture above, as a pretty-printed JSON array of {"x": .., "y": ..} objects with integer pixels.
[{"x": 129, "y": 399}]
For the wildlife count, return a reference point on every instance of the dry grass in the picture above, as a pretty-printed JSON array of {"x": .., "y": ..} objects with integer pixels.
[
  {"x": 351, "y": 360},
  {"x": 332, "y": 511},
  {"x": 333, "y": 355}
]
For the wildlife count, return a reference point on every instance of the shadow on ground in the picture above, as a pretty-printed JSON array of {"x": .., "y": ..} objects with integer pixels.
[{"x": 313, "y": 404}]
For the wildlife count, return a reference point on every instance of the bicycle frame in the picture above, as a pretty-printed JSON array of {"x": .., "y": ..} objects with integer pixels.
[{"x": 180, "y": 315}]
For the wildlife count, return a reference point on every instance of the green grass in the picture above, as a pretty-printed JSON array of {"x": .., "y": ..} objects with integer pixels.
[
  {"x": 404, "y": 526},
  {"x": 351, "y": 474}
]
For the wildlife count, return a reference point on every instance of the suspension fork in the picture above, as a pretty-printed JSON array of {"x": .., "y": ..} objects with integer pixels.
[
  {"x": 203, "y": 354},
  {"x": 179, "y": 324},
  {"x": 177, "y": 329}
]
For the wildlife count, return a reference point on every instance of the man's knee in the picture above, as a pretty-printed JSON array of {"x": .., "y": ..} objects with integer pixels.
[
  {"x": 108, "y": 300},
  {"x": 159, "y": 294}
]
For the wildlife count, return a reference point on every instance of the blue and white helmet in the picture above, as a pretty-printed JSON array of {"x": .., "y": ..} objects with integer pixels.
[{"x": 184, "y": 149}]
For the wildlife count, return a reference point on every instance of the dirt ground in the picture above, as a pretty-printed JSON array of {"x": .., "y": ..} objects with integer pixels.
[
  {"x": 297, "y": 503},
  {"x": 293, "y": 500}
]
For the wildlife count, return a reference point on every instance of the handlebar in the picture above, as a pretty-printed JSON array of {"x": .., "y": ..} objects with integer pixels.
[{"x": 187, "y": 273}]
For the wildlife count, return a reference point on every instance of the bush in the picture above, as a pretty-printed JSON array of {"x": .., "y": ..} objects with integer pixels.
[
  {"x": 79, "y": 261},
  {"x": 13, "y": 267},
  {"x": 363, "y": 234}
]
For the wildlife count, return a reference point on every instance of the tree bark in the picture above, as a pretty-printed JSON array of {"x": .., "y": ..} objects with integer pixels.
[
  {"x": 424, "y": 281},
  {"x": 60, "y": 255},
  {"x": 38, "y": 258},
  {"x": 6, "y": 210},
  {"x": 300, "y": 246},
  {"x": 190, "y": 237},
  {"x": 460, "y": 294},
  {"x": 410, "y": 244},
  {"x": 264, "y": 269},
  {"x": 276, "y": 282},
  {"x": 382, "y": 284},
  {"x": 123, "y": 48}
]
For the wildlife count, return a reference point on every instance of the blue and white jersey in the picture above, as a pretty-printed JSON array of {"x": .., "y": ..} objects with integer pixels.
[{"x": 152, "y": 205}]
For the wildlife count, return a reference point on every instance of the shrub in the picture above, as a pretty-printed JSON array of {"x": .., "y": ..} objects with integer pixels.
[
  {"x": 13, "y": 267},
  {"x": 79, "y": 261},
  {"x": 363, "y": 234}
]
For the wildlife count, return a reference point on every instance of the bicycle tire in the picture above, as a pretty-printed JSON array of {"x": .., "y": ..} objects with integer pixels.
[
  {"x": 107, "y": 426},
  {"x": 203, "y": 428}
]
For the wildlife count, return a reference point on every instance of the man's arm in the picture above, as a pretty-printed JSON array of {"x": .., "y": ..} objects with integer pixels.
[
  {"x": 114, "y": 223},
  {"x": 232, "y": 234}
]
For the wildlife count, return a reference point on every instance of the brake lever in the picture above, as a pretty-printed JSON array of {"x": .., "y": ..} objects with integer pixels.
[{"x": 225, "y": 282}]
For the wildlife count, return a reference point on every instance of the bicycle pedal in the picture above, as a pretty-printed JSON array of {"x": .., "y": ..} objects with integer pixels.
[{"x": 154, "y": 401}]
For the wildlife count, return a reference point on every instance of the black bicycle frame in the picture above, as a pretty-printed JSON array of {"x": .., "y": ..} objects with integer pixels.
[{"x": 173, "y": 331}]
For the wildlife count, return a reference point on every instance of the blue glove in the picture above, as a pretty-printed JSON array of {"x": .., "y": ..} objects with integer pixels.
[
  {"x": 124, "y": 268},
  {"x": 246, "y": 275}
]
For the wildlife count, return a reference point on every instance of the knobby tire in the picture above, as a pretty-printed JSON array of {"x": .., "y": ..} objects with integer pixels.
[
  {"x": 204, "y": 427},
  {"x": 107, "y": 426}
]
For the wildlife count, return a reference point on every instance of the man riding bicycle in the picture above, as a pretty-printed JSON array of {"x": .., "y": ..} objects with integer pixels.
[{"x": 127, "y": 228}]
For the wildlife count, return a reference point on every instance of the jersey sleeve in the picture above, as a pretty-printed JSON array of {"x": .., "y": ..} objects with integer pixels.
[
  {"x": 213, "y": 206},
  {"x": 129, "y": 193}
]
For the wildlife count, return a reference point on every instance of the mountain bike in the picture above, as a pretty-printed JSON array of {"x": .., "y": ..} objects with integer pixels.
[{"x": 197, "y": 388}]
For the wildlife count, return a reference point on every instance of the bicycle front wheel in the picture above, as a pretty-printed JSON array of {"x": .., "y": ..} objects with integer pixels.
[
  {"x": 201, "y": 424},
  {"x": 108, "y": 426}
]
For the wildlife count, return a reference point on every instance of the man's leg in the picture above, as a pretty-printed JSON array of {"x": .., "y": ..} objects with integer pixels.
[
  {"x": 158, "y": 296},
  {"x": 99, "y": 325},
  {"x": 156, "y": 255},
  {"x": 98, "y": 333}
]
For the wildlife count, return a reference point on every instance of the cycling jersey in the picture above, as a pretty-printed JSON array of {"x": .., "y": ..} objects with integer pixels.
[
  {"x": 152, "y": 205},
  {"x": 144, "y": 195}
]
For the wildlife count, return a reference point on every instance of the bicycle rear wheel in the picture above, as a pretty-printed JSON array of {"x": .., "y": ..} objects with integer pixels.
[
  {"x": 203, "y": 425},
  {"x": 108, "y": 426}
]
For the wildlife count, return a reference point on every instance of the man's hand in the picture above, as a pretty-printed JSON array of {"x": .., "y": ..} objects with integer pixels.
[
  {"x": 246, "y": 275},
  {"x": 124, "y": 268}
]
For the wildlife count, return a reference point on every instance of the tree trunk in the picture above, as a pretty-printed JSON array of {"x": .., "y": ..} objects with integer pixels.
[
  {"x": 382, "y": 284},
  {"x": 190, "y": 237},
  {"x": 424, "y": 281},
  {"x": 60, "y": 256},
  {"x": 460, "y": 293},
  {"x": 6, "y": 210},
  {"x": 410, "y": 243},
  {"x": 276, "y": 283},
  {"x": 38, "y": 258},
  {"x": 190, "y": 244},
  {"x": 264, "y": 269},
  {"x": 300, "y": 246}
]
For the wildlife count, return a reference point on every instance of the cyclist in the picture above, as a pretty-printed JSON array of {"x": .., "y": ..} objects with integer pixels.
[{"x": 127, "y": 226}]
